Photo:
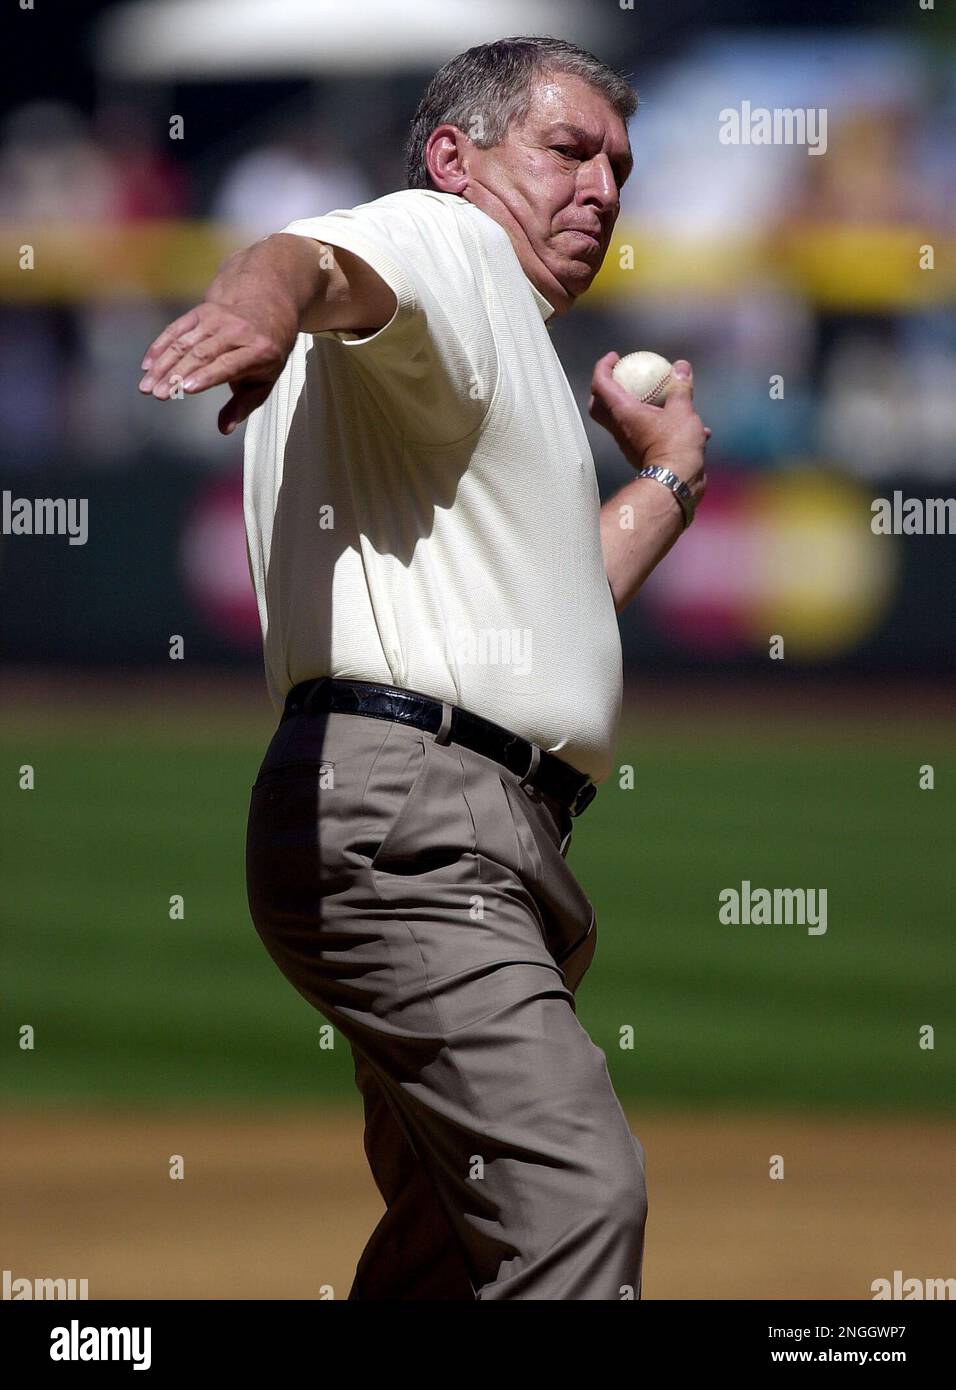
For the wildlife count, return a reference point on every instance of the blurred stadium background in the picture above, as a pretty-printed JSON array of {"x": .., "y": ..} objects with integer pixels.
[{"x": 157, "y": 1037}]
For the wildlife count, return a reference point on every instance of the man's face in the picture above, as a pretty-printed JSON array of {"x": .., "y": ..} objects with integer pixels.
[{"x": 554, "y": 183}]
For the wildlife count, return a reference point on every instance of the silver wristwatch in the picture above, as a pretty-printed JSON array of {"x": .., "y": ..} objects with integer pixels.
[{"x": 680, "y": 490}]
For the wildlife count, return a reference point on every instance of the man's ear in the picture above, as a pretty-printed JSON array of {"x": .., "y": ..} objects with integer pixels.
[{"x": 444, "y": 158}]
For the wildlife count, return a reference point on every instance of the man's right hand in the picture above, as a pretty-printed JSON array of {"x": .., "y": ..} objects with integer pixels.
[
  {"x": 247, "y": 325},
  {"x": 244, "y": 345}
]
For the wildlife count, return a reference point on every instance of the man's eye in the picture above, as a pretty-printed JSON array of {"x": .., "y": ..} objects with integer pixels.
[{"x": 565, "y": 149}]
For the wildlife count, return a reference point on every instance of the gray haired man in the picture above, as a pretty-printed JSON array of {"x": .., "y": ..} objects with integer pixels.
[{"x": 437, "y": 585}]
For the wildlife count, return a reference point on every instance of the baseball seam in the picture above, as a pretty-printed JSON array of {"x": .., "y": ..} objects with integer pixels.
[{"x": 654, "y": 389}]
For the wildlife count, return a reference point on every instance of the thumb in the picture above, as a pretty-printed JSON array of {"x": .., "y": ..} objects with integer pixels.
[
  {"x": 246, "y": 397},
  {"x": 680, "y": 393}
]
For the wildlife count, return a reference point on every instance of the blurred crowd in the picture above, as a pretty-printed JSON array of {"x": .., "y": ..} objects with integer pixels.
[
  {"x": 69, "y": 367},
  {"x": 871, "y": 391}
]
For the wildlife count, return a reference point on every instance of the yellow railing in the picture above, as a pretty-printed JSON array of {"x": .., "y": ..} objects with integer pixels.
[{"x": 836, "y": 267}]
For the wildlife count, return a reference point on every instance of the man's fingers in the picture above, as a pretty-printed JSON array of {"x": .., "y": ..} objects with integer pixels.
[
  {"x": 205, "y": 353},
  {"x": 184, "y": 324},
  {"x": 228, "y": 366},
  {"x": 612, "y": 394},
  {"x": 206, "y": 323},
  {"x": 188, "y": 350},
  {"x": 246, "y": 397},
  {"x": 166, "y": 363},
  {"x": 161, "y": 376}
]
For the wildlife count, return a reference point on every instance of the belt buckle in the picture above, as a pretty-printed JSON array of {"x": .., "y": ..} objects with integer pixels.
[{"x": 583, "y": 798}]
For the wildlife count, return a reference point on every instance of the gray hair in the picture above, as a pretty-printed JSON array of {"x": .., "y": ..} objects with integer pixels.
[{"x": 484, "y": 89}]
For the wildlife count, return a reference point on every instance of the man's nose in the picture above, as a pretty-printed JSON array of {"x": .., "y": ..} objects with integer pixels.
[{"x": 597, "y": 184}]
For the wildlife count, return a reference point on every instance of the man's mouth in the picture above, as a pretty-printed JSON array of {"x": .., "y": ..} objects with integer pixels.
[{"x": 587, "y": 234}]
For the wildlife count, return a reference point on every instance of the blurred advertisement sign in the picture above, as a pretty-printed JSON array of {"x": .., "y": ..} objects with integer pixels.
[{"x": 790, "y": 555}]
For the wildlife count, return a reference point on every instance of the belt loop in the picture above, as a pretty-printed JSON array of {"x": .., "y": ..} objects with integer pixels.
[
  {"x": 311, "y": 694},
  {"x": 532, "y": 766},
  {"x": 444, "y": 732}
]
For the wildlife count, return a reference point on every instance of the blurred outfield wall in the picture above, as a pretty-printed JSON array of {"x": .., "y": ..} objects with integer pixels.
[{"x": 792, "y": 553}]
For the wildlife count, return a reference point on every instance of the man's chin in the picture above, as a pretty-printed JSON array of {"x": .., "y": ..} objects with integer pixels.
[
  {"x": 572, "y": 277},
  {"x": 576, "y": 278}
]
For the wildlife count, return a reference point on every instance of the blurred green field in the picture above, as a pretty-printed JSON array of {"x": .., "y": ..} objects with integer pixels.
[{"x": 129, "y": 1006}]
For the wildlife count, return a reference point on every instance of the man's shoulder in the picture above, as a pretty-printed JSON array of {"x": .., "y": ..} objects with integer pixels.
[
  {"x": 442, "y": 212},
  {"x": 425, "y": 200}
]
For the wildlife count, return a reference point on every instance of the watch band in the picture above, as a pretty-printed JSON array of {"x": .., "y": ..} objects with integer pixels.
[{"x": 680, "y": 490}]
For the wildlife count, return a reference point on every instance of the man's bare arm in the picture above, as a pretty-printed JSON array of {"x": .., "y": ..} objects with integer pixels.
[
  {"x": 641, "y": 523},
  {"x": 246, "y": 326},
  {"x": 638, "y": 527}
]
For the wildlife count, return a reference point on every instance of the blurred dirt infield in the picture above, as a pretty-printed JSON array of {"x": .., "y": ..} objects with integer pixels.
[{"x": 276, "y": 1206}]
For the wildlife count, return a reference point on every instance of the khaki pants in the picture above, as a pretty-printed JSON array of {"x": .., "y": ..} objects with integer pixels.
[{"x": 422, "y": 904}]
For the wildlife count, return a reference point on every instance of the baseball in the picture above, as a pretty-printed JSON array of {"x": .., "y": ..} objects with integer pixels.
[{"x": 645, "y": 375}]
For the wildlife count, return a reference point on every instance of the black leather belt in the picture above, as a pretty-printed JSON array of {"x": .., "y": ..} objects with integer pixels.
[{"x": 547, "y": 773}]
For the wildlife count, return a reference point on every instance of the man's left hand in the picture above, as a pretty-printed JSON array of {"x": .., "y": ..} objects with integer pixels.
[{"x": 671, "y": 436}]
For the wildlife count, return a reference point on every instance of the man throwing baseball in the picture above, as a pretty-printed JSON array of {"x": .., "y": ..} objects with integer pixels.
[{"x": 437, "y": 585}]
